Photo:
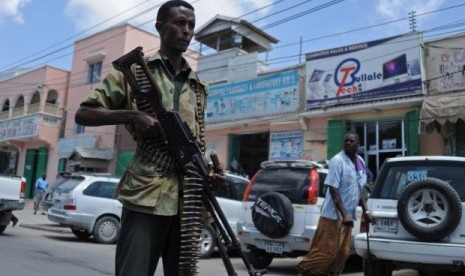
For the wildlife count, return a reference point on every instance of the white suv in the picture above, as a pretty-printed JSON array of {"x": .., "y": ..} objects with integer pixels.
[
  {"x": 281, "y": 209},
  {"x": 85, "y": 203},
  {"x": 417, "y": 202}
]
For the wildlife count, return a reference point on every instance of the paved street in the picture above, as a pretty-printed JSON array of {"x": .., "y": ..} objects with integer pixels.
[{"x": 59, "y": 238}]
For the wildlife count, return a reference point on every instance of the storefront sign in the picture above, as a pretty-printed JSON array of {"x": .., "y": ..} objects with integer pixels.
[
  {"x": 446, "y": 65},
  {"x": 383, "y": 68},
  {"x": 264, "y": 96},
  {"x": 19, "y": 128},
  {"x": 286, "y": 145}
]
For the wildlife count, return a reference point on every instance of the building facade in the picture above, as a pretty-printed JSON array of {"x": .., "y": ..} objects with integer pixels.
[
  {"x": 31, "y": 122},
  {"x": 402, "y": 95}
]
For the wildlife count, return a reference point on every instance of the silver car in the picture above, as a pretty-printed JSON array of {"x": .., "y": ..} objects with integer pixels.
[
  {"x": 229, "y": 197},
  {"x": 85, "y": 203}
]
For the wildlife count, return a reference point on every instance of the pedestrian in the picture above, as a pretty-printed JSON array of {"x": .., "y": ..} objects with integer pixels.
[
  {"x": 14, "y": 219},
  {"x": 151, "y": 187},
  {"x": 41, "y": 188},
  {"x": 331, "y": 242}
]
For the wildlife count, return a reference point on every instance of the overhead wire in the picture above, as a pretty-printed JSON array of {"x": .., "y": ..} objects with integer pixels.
[
  {"x": 332, "y": 2},
  {"x": 73, "y": 36}
]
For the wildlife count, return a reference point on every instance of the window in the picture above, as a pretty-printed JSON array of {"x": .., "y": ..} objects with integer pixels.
[
  {"x": 401, "y": 175},
  {"x": 101, "y": 189},
  {"x": 380, "y": 140},
  {"x": 94, "y": 72},
  {"x": 79, "y": 129}
]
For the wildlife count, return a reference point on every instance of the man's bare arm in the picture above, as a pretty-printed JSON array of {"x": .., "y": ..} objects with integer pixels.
[{"x": 146, "y": 126}]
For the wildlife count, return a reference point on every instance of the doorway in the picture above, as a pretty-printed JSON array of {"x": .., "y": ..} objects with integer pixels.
[
  {"x": 247, "y": 151},
  {"x": 380, "y": 140}
]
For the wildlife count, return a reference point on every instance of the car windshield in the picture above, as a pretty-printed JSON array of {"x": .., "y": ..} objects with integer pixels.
[{"x": 403, "y": 173}]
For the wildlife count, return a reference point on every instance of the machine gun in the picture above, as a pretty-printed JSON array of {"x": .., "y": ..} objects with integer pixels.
[{"x": 184, "y": 147}]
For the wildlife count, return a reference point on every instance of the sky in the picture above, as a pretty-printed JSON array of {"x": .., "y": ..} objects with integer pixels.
[{"x": 35, "y": 33}]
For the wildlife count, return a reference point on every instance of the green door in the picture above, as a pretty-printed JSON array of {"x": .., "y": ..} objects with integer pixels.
[
  {"x": 29, "y": 172},
  {"x": 336, "y": 131},
  {"x": 234, "y": 149},
  {"x": 412, "y": 121},
  {"x": 34, "y": 166}
]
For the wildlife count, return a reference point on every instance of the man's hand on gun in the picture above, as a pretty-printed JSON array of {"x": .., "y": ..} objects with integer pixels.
[
  {"x": 148, "y": 128},
  {"x": 216, "y": 175}
]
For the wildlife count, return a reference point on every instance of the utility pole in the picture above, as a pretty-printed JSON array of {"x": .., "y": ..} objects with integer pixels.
[{"x": 412, "y": 21}]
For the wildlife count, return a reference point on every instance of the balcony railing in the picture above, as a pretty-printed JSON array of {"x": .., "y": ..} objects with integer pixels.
[
  {"x": 52, "y": 109},
  {"x": 17, "y": 112},
  {"x": 49, "y": 108},
  {"x": 33, "y": 108},
  {"x": 4, "y": 115}
]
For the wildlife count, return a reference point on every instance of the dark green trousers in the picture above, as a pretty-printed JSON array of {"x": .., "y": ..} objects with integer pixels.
[{"x": 143, "y": 239}]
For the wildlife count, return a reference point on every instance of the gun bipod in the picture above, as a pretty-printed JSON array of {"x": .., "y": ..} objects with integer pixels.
[{"x": 226, "y": 236}]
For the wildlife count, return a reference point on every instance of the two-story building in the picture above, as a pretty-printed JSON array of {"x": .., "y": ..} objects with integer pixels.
[{"x": 32, "y": 119}]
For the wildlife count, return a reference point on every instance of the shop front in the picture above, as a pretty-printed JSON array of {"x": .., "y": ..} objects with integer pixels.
[{"x": 252, "y": 121}]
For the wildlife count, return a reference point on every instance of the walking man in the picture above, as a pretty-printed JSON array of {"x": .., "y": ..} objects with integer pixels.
[
  {"x": 41, "y": 188},
  {"x": 331, "y": 242}
]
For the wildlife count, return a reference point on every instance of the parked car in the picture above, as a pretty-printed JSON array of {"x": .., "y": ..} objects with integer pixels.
[
  {"x": 12, "y": 189},
  {"x": 229, "y": 197},
  {"x": 418, "y": 203},
  {"x": 281, "y": 209},
  {"x": 85, "y": 203},
  {"x": 47, "y": 199}
]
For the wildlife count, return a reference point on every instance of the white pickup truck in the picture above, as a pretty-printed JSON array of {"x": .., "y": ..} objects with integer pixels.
[{"x": 12, "y": 190}]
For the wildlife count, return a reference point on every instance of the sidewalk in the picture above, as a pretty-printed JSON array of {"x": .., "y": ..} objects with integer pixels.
[{"x": 29, "y": 220}]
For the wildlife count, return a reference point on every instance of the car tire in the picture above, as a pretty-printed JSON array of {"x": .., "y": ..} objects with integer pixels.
[
  {"x": 374, "y": 267},
  {"x": 273, "y": 215},
  {"x": 106, "y": 230},
  {"x": 259, "y": 259},
  {"x": 430, "y": 209},
  {"x": 207, "y": 241},
  {"x": 2, "y": 228},
  {"x": 81, "y": 233}
]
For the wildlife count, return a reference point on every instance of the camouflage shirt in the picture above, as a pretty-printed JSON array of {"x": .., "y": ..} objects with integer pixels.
[{"x": 143, "y": 187}]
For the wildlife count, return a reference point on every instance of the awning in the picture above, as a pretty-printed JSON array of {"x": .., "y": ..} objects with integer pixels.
[{"x": 441, "y": 113}]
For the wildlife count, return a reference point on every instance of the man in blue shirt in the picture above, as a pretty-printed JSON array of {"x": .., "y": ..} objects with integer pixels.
[
  {"x": 331, "y": 243},
  {"x": 41, "y": 188}
]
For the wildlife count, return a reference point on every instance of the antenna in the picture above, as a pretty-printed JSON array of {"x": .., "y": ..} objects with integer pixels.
[{"x": 413, "y": 21}]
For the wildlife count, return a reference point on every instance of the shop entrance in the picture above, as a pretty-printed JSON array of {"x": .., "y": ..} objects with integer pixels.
[
  {"x": 247, "y": 151},
  {"x": 380, "y": 140}
]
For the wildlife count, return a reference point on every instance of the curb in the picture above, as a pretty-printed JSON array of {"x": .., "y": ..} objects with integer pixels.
[{"x": 57, "y": 229}]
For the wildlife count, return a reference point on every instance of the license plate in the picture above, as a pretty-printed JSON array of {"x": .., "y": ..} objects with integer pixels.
[
  {"x": 274, "y": 247},
  {"x": 388, "y": 225}
]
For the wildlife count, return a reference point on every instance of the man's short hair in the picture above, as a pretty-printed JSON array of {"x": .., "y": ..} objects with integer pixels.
[
  {"x": 352, "y": 132},
  {"x": 164, "y": 10}
]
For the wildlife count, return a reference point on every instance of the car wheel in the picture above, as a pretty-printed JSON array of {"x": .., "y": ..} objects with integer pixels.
[
  {"x": 373, "y": 267},
  {"x": 259, "y": 259},
  {"x": 207, "y": 241},
  {"x": 273, "y": 215},
  {"x": 2, "y": 228},
  {"x": 429, "y": 209},
  {"x": 106, "y": 230},
  {"x": 81, "y": 233}
]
